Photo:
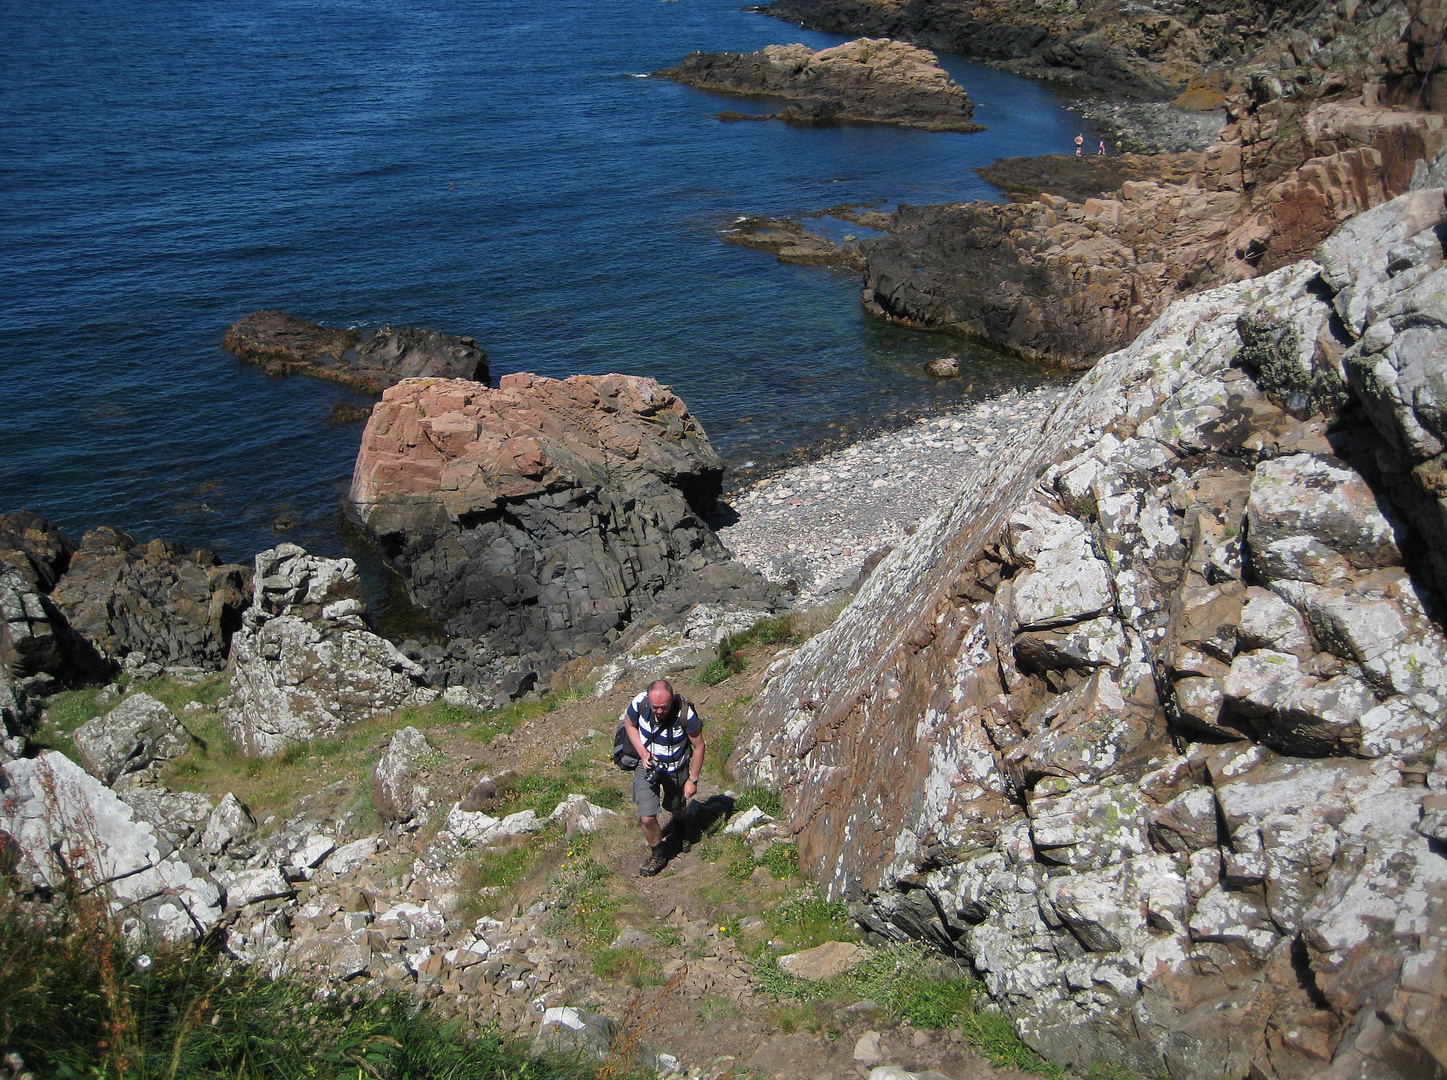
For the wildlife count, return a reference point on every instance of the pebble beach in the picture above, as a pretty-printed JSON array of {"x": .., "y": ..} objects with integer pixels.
[{"x": 816, "y": 524}]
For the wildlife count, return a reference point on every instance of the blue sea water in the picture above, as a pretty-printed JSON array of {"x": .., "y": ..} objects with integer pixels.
[{"x": 494, "y": 170}]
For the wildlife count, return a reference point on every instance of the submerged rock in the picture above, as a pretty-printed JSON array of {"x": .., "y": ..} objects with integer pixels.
[
  {"x": 282, "y": 344},
  {"x": 868, "y": 81}
]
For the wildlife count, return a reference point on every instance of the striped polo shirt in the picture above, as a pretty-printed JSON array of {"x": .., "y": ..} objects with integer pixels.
[{"x": 666, "y": 739}]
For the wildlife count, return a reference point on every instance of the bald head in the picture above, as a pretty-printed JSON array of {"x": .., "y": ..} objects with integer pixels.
[{"x": 660, "y": 695}]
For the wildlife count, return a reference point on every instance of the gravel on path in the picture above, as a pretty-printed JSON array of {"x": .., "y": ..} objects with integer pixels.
[{"x": 816, "y": 524}]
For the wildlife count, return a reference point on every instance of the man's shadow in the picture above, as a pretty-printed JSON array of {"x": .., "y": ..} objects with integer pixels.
[{"x": 703, "y": 815}]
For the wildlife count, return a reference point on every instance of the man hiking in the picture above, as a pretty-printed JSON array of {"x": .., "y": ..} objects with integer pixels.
[{"x": 667, "y": 735}]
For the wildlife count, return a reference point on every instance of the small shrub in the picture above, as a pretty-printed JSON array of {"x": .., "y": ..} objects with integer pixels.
[{"x": 718, "y": 670}]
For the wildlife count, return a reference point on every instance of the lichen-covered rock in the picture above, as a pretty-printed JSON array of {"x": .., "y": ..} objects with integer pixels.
[
  {"x": 304, "y": 666},
  {"x": 179, "y": 816},
  {"x": 542, "y": 517},
  {"x": 66, "y": 825},
  {"x": 396, "y": 791},
  {"x": 19, "y": 716},
  {"x": 132, "y": 738},
  {"x": 227, "y": 826},
  {"x": 952, "y": 761},
  {"x": 1311, "y": 518}
]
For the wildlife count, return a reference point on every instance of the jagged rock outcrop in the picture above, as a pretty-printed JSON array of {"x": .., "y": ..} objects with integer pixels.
[
  {"x": 19, "y": 716},
  {"x": 36, "y": 645},
  {"x": 72, "y": 613},
  {"x": 1162, "y": 51},
  {"x": 540, "y": 518},
  {"x": 869, "y": 81},
  {"x": 1148, "y": 721},
  {"x": 1062, "y": 283},
  {"x": 304, "y": 665},
  {"x": 1330, "y": 122},
  {"x": 66, "y": 826},
  {"x": 176, "y": 608},
  {"x": 282, "y": 344}
]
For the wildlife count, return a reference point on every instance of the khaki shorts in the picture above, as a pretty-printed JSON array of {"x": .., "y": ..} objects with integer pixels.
[{"x": 669, "y": 795}]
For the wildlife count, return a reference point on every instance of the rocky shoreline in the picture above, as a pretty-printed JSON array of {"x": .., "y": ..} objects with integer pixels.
[{"x": 814, "y": 528}]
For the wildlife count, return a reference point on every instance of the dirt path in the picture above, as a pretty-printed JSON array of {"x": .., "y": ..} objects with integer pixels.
[{"x": 675, "y": 949}]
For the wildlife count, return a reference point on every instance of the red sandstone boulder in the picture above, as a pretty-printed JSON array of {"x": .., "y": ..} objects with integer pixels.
[{"x": 544, "y": 515}]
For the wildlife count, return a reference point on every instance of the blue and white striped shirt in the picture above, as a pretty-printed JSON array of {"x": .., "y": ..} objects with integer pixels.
[{"x": 666, "y": 739}]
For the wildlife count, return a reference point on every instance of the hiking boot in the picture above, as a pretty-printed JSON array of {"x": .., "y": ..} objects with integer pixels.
[{"x": 655, "y": 862}]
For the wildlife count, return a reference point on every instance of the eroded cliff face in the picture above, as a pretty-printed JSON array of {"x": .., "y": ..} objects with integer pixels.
[
  {"x": 1146, "y": 722},
  {"x": 1063, "y": 282}
]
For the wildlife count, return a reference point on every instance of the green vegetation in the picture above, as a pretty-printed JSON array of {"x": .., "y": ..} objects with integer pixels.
[
  {"x": 731, "y": 658},
  {"x": 586, "y": 770},
  {"x": 628, "y": 965},
  {"x": 583, "y": 904},
  {"x": 805, "y": 919},
  {"x": 762, "y": 797},
  {"x": 74, "y": 1004},
  {"x": 911, "y": 983}
]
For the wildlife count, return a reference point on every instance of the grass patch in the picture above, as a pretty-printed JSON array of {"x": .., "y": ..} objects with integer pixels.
[
  {"x": 781, "y": 860},
  {"x": 717, "y": 1007},
  {"x": 176, "y": 696},
  {"x": 805, "y": 919},
  {"x": 586, "y": 771},
  {"x": 499, "y": 869},
  {"x": 584, "y": 905},
  {"x": 73, "y": 1004},
  {"x": 762, "y": 797},
  {"x": 274, "y": 785},
  {"x": 628, "y": 965},
  {"x": 731, "y": 659},
  {"x": 911, "y": 982},
  {"x": 64, "y": 713}
]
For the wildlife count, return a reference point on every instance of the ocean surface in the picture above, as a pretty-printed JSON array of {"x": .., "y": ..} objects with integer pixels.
[{"x": 497, "y": 171}]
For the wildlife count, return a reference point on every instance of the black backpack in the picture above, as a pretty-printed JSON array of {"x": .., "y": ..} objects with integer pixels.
[{"x": 625, "y": 757}]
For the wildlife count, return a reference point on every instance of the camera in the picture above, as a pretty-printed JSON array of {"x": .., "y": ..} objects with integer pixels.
[{"x": 654, "y": 774}]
